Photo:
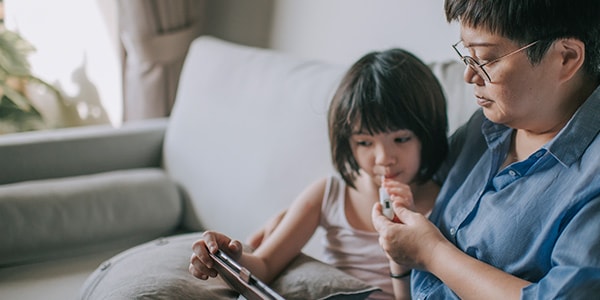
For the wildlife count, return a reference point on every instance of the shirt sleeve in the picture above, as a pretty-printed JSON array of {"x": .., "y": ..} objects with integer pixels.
[{"x": 576, "y": 258}]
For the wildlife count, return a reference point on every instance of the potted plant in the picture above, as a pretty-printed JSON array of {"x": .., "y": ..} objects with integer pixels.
[{"x": 17, "y": 110}]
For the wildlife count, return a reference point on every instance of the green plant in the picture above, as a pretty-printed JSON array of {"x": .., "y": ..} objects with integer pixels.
[{"x": 16, "y": 108}]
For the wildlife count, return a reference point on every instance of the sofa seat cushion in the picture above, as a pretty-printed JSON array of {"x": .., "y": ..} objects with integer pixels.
[
  {"x": 159, "y": 270},
  {"x": 51, "y": 218}
]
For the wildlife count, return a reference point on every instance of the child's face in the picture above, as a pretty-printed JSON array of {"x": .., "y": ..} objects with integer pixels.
[{"x": 395, "y": 154}]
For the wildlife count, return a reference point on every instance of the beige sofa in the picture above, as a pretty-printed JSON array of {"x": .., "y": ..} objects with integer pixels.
[{"x": 246, "y": 135}]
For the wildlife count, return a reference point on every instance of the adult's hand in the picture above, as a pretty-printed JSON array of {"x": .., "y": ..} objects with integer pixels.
[{"x": 411, "y": 241}]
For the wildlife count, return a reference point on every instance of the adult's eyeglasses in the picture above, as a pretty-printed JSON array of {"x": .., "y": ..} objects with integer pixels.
[{"x": 479, "y": 67}]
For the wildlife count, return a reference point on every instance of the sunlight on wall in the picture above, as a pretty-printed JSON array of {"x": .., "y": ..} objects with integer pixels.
[{"x": 77, "y": 51}]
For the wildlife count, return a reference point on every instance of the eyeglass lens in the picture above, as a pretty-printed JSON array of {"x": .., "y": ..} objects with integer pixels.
[{"x": 469, "y": 61}]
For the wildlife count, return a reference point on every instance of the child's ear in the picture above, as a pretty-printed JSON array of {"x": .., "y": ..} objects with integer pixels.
[{"x": 572, "y": 55}]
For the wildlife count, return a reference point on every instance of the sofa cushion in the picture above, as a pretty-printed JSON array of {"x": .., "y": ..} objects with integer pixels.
[
  {"x": 248, "y": 133},
  {"x": 159, "y": 270},
  {"x": 308, "y": 278},
  {"x": 51, "y": 218}
]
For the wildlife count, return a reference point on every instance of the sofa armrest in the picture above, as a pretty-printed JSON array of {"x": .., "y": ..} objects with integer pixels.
[
  {"x": 81, "y": 150},
  {"x": 54, "y": 218}
]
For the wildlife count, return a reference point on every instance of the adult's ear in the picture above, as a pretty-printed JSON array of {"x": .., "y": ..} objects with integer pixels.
[{"x": 572, "y": 55}]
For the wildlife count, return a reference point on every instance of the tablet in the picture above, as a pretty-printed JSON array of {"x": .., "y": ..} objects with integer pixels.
[{"x": 241, "y": 280}]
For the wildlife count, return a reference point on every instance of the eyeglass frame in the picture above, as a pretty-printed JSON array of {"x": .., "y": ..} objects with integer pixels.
[{"x": 477, "y": 66}]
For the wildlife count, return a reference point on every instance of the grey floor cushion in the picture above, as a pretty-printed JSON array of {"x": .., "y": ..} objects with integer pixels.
[{"x": 159, "y": 270}]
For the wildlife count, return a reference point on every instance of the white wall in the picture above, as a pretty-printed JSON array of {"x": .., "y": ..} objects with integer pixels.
[
  {"x": 77, "y": 40},
  {"x": 343, "y": 30}
]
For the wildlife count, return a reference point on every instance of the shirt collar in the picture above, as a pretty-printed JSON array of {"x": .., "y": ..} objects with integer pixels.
[
  {"x": 572, "y": 141},
  {"x": 495, "y": 134}
]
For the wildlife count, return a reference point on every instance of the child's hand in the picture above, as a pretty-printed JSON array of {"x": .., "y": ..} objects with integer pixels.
[
  {"x": 399, "y": 192},
  {"x": 201, "y": 264}
]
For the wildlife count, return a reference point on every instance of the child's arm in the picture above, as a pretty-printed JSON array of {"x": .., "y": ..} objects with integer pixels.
[
  {"x": 289, "y": 237},
  {"x": 400, "y": 280},
  {"x": 266, "y": 230},
  {"x": 400, "y": 275},
  {"x": 286, "y": 242}
]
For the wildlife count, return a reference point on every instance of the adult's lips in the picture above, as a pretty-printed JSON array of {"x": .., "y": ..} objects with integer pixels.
[{"x": 481, "y": 101}]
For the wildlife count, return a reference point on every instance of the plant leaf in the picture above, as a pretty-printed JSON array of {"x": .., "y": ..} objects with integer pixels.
[
  {"x": 13, "y": 54},
  {"x": 16, "y": 97}
]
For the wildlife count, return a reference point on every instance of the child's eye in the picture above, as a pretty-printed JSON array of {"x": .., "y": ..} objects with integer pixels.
[
  {"x": 402, "y": 139},
  {"x": 363, "y": 143}
]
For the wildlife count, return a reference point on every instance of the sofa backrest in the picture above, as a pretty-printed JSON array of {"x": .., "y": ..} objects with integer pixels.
[{"x": 248, "y": 131}]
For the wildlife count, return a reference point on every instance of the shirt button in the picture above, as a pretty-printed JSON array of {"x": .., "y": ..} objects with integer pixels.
[
  {"x": 512, "y": 173},
  {"x": 452, "y": 231}
]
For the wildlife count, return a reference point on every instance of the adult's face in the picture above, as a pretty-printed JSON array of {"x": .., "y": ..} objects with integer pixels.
[{"x": 519, "y": 94}]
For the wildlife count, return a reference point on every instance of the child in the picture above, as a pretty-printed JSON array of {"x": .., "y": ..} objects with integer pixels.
[{"x": 387, "y": 122}]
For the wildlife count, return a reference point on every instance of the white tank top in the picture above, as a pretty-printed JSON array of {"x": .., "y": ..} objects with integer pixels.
[{"x": 356, "y": 252}]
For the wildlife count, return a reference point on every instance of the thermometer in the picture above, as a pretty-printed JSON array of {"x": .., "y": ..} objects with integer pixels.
[{"x": 386, "y": 202}]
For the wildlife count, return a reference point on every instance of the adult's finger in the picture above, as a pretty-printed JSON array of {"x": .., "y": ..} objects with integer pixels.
[
  {"x": 379, "y": 221},
  {"x": 402, "y": 212}
]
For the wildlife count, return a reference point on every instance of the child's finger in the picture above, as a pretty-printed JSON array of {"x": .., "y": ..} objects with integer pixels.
[{"x": 403, "y": 200}]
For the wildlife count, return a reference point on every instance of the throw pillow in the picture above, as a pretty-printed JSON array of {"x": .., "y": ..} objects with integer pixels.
[{"x": 159, "y": 270}]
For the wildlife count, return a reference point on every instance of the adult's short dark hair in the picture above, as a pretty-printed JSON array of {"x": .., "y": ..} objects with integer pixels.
[
  {"x": 525, "y": 21},
  {"x": 388, "y": 91}
]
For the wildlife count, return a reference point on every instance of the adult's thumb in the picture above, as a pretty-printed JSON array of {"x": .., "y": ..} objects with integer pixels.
[{"x": 402, "y": 213}]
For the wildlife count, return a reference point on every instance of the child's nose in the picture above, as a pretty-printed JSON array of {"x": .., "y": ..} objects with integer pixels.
[{"x": 385, "y": 156}]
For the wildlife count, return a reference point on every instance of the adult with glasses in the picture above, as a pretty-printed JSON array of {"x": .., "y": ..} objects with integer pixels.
[{"x": 518, "y": 215}]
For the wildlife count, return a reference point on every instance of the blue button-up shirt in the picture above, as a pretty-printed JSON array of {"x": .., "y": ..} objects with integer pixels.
[{"x": 538, "y": 219}]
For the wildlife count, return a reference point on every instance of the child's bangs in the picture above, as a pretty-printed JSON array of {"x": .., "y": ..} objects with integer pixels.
[{"x": 372, "y": 116}]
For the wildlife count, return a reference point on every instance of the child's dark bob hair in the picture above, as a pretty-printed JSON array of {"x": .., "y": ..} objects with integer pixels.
[{"x": 383, "y": 92}]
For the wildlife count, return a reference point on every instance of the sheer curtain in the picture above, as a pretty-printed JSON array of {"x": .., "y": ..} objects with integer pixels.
[{"x": 155, "y": 36}]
